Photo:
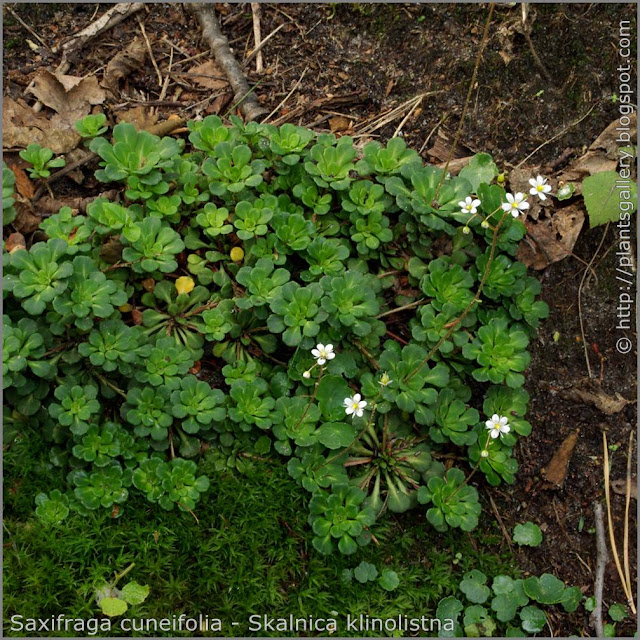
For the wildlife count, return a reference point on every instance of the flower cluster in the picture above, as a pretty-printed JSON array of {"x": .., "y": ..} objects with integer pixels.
[{"x": 515, "y": 205}]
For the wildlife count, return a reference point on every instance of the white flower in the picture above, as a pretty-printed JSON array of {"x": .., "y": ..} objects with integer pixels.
[
  {"x": 469, "y": 205},
  {"x": 323, "y": 352},
  {"x": 515, "y": 204},
  {"x": 306, "y": 375},
  {"x": 539, "y": 187},
  {"x": 385, "y": 380},
  {"x": 498, "y": 425},
  {"x": 355, "y": 405}
]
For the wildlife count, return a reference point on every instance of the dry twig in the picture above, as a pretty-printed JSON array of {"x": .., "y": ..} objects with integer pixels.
[
  {"x": 257, "y": 34},
  {"x": 614, "y": 548},
  {"x": 625, "y": 552},
  {"x": 150, "y": 50},
  {"x": 219, "y": 44},
  {"x": 601, "y": 563},
  {"x": 260, "y": 46},
  {"x": 295, "y": 86}
]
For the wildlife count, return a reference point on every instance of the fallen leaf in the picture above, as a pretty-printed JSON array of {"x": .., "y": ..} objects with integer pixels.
[
  {"x": 506, "y": 57},
  {"x": 111, "y": 250},
  {"x": 220, "y": 103},
  {"x": 69, "y": 96},
  {"x": 24, "y": 186},
  {"x": 124, "y": 63},
  {"x": 148, "y": 284},
  {"x": 550, "y": 239},
  {"x": 139, "y": 116},
  {"x": 442, "y": 147},
  {"x": 338, "y": 124},
  {"x": 21, "y": 126},
  {"x": 620, "y": 487},
  {"x": 556, "y": 471},
  {"x": 136, "y": 316},
  {"x": 26, "y": 221},
  {"x": 15, "y": 242},
  {"x": 589, "y": 391},
  {"x": 208, "y": 75},
  {"x": 601, "y": 156},
  {"x": 455, "y": 166}
]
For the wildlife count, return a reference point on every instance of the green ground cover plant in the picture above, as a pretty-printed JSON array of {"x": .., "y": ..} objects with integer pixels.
[
  {"x": 234, "y": 307},
  {"x": 275, "y": 252}
]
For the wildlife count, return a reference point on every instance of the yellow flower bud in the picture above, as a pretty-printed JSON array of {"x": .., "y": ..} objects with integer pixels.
[
  {"x": 237, "y": 254},
  {"x": 184, "y": 284}
]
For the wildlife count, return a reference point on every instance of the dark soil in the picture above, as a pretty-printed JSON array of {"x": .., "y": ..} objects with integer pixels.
[{"x": 373, "y": 57}]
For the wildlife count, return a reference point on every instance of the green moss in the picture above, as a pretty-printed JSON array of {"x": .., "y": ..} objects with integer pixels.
[{"x": 249, "y": 553}]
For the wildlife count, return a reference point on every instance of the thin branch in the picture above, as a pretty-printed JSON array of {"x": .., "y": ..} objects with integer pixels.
[
  {"x": 612, "y": 539},
  {"x": 259, "y": 48},
  {"x": 558, "y": 135},
  {"x": 150, "y": 50},
  {"x": 257, "y": 34},
  {"x": 219, "y": 44},
  {"x": 627, "y": 572},
  {"x": 411, "y": 305},
  {"x": 295, "y": 86},
  {"x": 602, "y": 559}
]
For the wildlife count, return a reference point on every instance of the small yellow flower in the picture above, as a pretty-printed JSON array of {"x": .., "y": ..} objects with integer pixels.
[
  {"x": 237, "y": 254},
  {"x": 184, "y": 284}
]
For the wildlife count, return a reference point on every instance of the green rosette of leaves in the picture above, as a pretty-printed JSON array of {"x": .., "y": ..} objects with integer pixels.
[
  {"x": 455, "y": 504},
  {"x": 296, "y": 312},
  {"x": 340, "y": 519},
  {"x": 38, "y": 276}
]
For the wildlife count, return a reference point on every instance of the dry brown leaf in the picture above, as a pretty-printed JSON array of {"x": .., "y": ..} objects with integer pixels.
[
  {"x": 208, "y": 75},
  {"x": 602, "y": 155},
  {"x": 24, "y": 186},
  {"x": 111, "y": 250},
  {"x": 148, "y": 284},
  {"x": 455, "y": 166},
  {"x": 550, "y": 239},
  {"x": 124, "y": 63},
  {"x": 136, "y": 316},
  {"x": 220, "y": 103},
  {"x": 26, "y": 221},
  {"x": 69, "y": 96},
  {"x": 15, "y": 242},
  {"x": 21, "y": 127},
  {"x": 338, "y": 124},
  {"x": 139, "y": 116},
  {"x": 556, "y": 471},
  {"x": 589, "y": 391},
  {"x": 506, "y": 57},
  {"x": 442, "y": 147},
  {"x": 620, "y": 487}
]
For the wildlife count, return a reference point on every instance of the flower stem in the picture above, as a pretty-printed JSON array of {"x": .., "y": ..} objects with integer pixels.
[
  {"x": 311, "y": 399},
  {"x": 119, "y": 576},
  {"x": 411, "y": 305},
  {"x": 454, "y": 323}
]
